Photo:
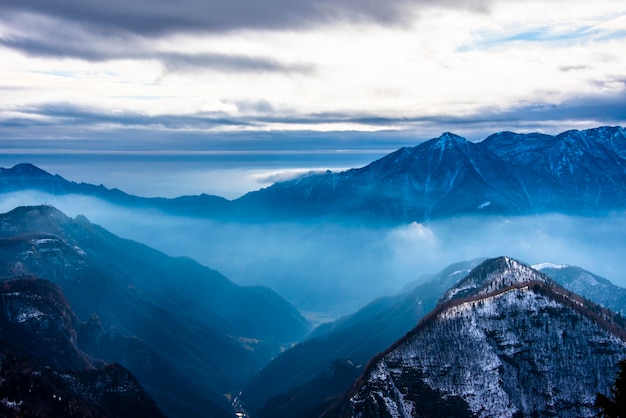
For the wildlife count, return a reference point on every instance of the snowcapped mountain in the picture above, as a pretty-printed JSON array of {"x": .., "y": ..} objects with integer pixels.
[
  {"x": 591, "y": 286},
  {"x": 506, "y": 341},
  {"x": 348, "y": 342},
  {"x": 574, "y": 172}
]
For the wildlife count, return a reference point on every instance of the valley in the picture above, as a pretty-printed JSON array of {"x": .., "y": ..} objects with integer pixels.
[{"x": 390, "y": 290}]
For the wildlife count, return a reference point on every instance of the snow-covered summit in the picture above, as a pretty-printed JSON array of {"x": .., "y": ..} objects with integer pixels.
[
  {"x": 448, "y": 139},
  {"x": 492, "y": 275},
  {"x": 506, "y": 353}
]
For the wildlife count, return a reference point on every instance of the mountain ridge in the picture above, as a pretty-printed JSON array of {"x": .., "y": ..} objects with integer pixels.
[
  {"x": 574, "y": 172},
  {"x": 481, "y": 339},
  {"x": 206, "y": 333}
]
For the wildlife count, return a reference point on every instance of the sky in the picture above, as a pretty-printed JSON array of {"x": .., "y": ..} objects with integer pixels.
[{"x": 243, "y": 92}]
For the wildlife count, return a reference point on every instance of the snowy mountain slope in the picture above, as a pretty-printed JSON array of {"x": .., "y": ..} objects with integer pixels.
[
  {"x": 515, "y": 344},
  {"x": 490, "y": 276},
  {"x": 593, "y": 287},
  {"x": 354, "y": 338}
]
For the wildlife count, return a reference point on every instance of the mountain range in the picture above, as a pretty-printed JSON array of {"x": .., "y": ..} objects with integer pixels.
[
  {"x": 485, "y": 337},
  {"x": 189, "y": 336},
  {"x": 327, "y": 362},
  {"x": 185, "y": 331},
  {"x": 575, "y": 172}
]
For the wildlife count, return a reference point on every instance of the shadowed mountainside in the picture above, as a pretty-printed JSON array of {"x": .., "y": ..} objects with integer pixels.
[{"x": 205, "y": 334}]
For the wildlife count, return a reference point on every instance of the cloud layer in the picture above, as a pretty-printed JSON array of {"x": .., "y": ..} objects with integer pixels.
[
  {"x": 81, "y": 70},
  {"x": 337, "y": 269}
]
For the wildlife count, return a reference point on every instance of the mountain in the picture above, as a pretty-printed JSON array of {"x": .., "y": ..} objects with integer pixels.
[
  {"x": 43, "y": 372},
  {"x": 445, "y": 176},
  {"x": 187, "y": 332},
  {"x": 352, "y": 340},
  {"x": 593, "y": 287},
  {"x": 320, "y": 366},
  {"x": 575, "y": 172},
  {"x": 26, "y": 176},
  {"x": 579, "y": 172},
  {"x": 506, "y": 341}
]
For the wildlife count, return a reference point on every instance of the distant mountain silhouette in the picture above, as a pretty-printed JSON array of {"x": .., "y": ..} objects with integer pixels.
[
  {"x": 26, "y": 176},
  {"x": 575, "y": 172}
]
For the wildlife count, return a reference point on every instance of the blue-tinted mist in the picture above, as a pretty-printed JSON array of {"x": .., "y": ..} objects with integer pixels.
[
  {"x": 229, "y": 174},
  {"x": 332, "y": 269}
]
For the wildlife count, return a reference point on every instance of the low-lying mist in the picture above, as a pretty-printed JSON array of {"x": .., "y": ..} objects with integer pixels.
[{"x": 331, "y": 269}]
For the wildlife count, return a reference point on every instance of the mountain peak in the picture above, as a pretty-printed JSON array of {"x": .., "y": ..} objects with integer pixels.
[
  {"x": 473, "y": 357},
  {"x": 26, "y": 170},
  {"x": 492, "y": 275},
  {"x": 448, "y": 139},
  {"x": 27, "y": 214}
]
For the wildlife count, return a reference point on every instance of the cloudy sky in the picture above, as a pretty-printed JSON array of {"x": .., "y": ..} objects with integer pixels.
[{"x": 211, "y": 78}]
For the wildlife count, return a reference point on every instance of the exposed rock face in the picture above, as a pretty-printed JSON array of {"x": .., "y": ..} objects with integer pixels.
[{"x": 509, "y": 343}]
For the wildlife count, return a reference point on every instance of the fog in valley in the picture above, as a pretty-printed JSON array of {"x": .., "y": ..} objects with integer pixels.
[{"x": 329, "y": 269}]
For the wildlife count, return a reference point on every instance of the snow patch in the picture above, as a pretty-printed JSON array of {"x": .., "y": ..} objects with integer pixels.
[
  {"x": 10, "y": 404},
  {"x": 42, "y": 241},
  {"x": 28, "y": 313},
  {"x": 548, "y": 265}
]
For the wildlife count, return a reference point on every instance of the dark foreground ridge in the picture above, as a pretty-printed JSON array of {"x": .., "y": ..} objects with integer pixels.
[
  {"x": 185, "y": 331},
  {"x": 42, "y": 371}
]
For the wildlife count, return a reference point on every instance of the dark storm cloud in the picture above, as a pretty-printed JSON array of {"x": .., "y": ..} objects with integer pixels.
[
  {"x": 99, "y": 31},
  {"x": 67, "y": 120},
  {"x": 73, "y": 115},
  {"x": 153, "y": 17}
]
